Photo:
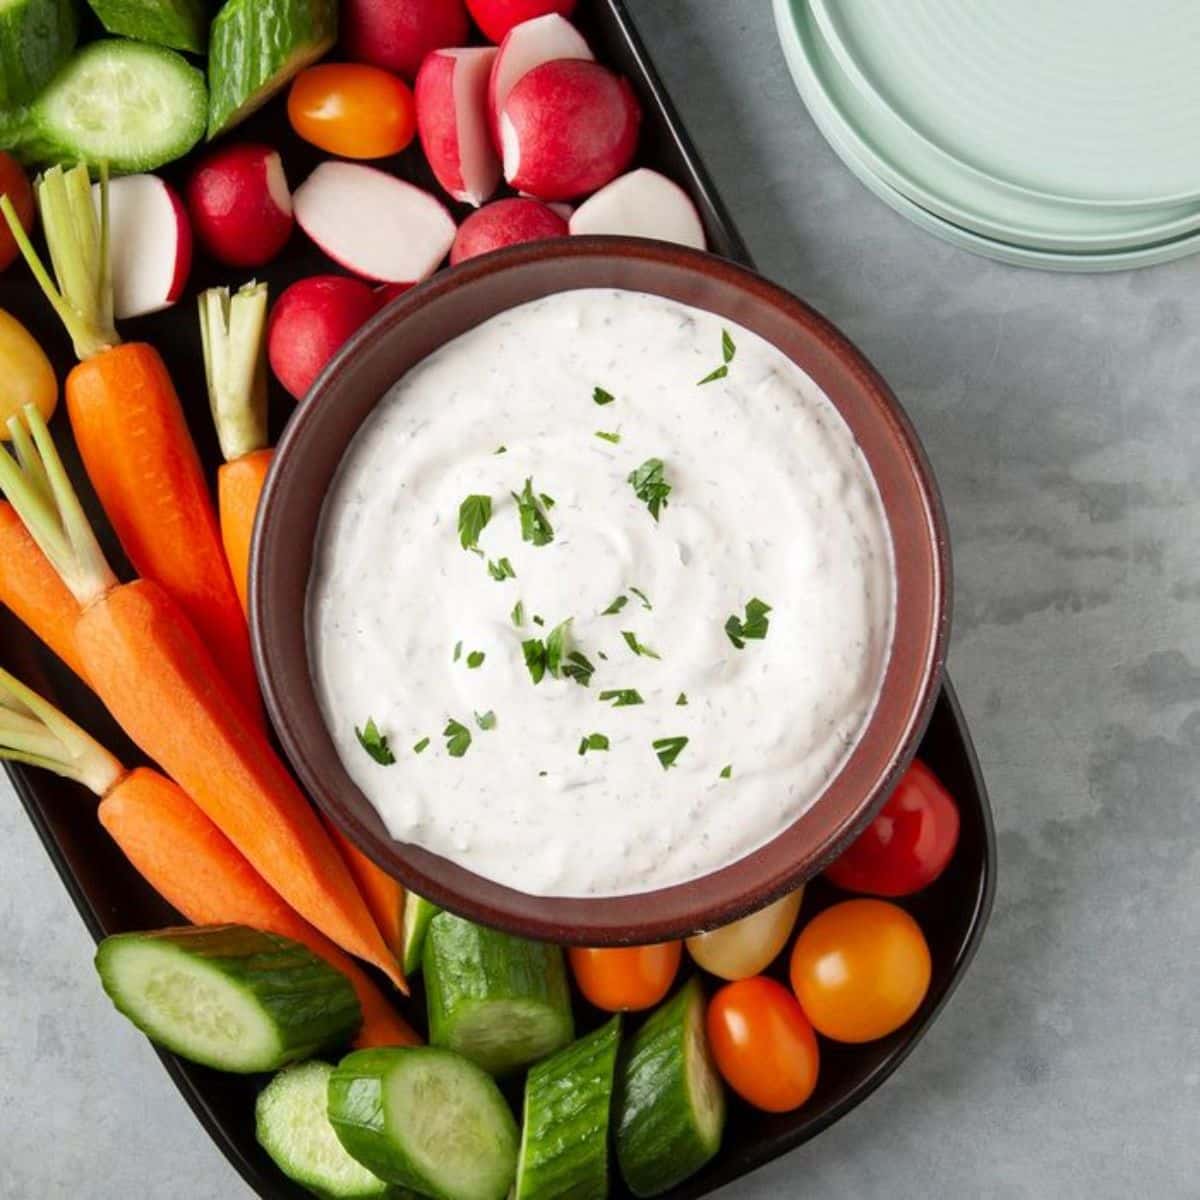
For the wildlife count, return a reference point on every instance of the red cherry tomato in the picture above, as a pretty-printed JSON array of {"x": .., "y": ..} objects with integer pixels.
[
  {"x": 909, "y": 843},
  {"x": 763, "y": 1044},
  {"x": 353, "y": 110},
  {"x": 860, "y": 969},
  {"x": 15, "y": 185},
  {"x": 625, "y": 978}
]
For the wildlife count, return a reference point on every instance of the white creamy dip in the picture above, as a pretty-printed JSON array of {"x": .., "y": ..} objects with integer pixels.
[{"x": 770, "y": 499}]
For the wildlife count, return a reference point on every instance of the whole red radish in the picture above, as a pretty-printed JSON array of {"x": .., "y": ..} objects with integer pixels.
[
  {"x": 567, "y": 128},
  {"x": 397, "y": 34},
  {"x": 309, "y": 323},
  {"x": 240, "y": 204},
  {"x": 15, "y": 185},
  {"x": 451, "y": 92},
  {"x": 497, "y": 17},
  {"x": 505, "y": 223}
]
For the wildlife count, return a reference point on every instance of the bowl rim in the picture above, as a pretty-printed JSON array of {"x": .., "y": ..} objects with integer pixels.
[{"x": 779, "y": 865}]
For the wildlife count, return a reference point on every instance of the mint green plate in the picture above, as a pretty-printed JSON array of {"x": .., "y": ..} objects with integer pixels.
[{"x": 827, "y": 94}]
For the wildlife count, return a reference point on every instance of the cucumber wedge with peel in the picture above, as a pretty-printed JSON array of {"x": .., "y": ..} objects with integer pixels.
[
  {"x": 228, "y": 997},
  {"x": 425, "y": 1119},
  {"x": 418, "y": 912},
  {"x": 180, "y": 24},
  {"x": 36, "y": 38},
  {"x": 670, "y": 1101}
]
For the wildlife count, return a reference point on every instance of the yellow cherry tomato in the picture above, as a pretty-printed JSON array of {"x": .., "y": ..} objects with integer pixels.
[
  {"x": 353, "y": 110},
  {"x": 749, "y": 946},
  {"x": 860, "y": 969},
  {"x": 28, "y": 377}
]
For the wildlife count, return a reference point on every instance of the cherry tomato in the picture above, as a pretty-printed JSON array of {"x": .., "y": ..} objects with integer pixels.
[
  {"x": 860, "y": 969},
  {"x": 750, "y": 945},
  {"x": 353, "y": 110},
  {"x": 909, "y": 843},
  {"x": 28, "y": 377},
  {"x": 763, "y": 1044},
  {"x": 626, "y": 978},
  {"x": 14, "y": 185}
]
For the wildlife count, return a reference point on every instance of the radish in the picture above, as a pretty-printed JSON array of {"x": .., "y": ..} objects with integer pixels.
[
  {"x": 240, "y": 204},
  {"x": 568, "y": 128},
  {"x": 309, "y": 323},
  {"x": 150, "y": 244},
  {"x": 526, "y": 46},
  {"x": 641, "y": 204},
  {"x": 497, "y": 17},
  {"x": 451, "y": 92},
  {"x": 385, "y": 293},
  {"x": 398, "y": 34},
  {"x": 505, "y": 223},
  {"x": 374, "y": 224}
]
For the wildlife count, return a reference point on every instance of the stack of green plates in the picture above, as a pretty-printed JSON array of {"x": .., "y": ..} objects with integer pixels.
[{"x": 1060, "y": 134}]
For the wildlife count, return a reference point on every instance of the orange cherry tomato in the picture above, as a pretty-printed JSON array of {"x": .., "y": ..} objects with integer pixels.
[
  {"x": 15, "y": 185},
  {"x": 763, "y": 1044},
  {"x": 353, "y": 110},
  {"x": 860, "y": 969},
  {"x": 625, "y": 978}
]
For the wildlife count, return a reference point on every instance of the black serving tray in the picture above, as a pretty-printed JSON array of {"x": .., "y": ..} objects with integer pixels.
[{"x": 111, "y": 897}]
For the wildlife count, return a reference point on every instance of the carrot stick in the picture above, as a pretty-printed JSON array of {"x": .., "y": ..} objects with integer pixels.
[
  {"x": 33, "y": 592},
  {"x": 146, "y": 662},
  {"x": 383, "y": 894},
  {"x": 239, "y": 485},
  {"x": 158, "y": 828}
]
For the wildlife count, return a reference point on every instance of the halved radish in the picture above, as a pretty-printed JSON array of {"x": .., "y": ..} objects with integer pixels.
[
  {"x": 451, "y": 92},
  {"x": 505, "y": 223},
  {"x": 568, "y": 128},
  {"x": 526, "y": 46},
  {"x": 497, "y": 17},
  {"x": 641, "y": 204},
  {"x": 150, "y": 244},
  {"x": 397, "y": 34},
  {"x": 372, "y": 223}
]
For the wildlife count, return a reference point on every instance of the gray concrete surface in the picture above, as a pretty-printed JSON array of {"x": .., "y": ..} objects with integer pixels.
[{"x": 1063, "y": 417}]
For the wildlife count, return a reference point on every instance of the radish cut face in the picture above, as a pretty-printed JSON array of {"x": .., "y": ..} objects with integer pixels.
[
  {"x": 373, "y": 224},
  {"x": 642, "y": 204},
  {"x": 526, "y": 46},
  {"x": 150, "y": 244}
]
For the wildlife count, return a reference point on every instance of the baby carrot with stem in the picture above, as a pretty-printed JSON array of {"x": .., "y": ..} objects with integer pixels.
[
  {"x": 130, "y": 427},
  {"x": 174, "y": 846},
  {"x": 232, "y": 329},
  {"x": 153, "y": 673}
]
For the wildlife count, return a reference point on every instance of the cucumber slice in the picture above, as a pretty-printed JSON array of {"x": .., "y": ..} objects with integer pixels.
[
  {"x": 131, "y": 104},
  {"x": 500, "y": 1000},
  {"x": 228, "y": 997},
  {"x": 255, "y": 47},
  {"x": 671, "y": 1105},
  {"x": 426, "y": 1119},
  {"x": 418, "y": 912},
  {"x": 36, "y": 38},
  {"x": 564, "y": 1133},
  {"x": 292, "y": 1126},
  {"x": 180, "y": 24}
]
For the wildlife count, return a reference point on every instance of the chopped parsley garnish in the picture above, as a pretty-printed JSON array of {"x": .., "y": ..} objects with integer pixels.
[
  {"x": 473, "y": 515},
  {"x": 578, "y": 668},
  {"x": 458, "y": 738},
  {"x": 556, "y": 646},
  {"x": 500, "y": 450},
  {"x": 668, "y": 749},
  {"x": 375, "y": 743},
  {"x": 651, "y": 486},
  {"x": 593, "y": 741},
  {"x": 457, "y": 651},
  {"x": 637, "y": 647},
  {"x": 547, "y": 501},
  {"x": 727, "y": 771},
  {"x": 535, "y": 525},
  {"x": 622, "y": 697},
  {"x": 554, "y": 656},
  {"x": 681, "y": 702},
  {"x": 475, "y": 659},
  {"x": 754, "y": 625},
  {"x": 643, "y": 598},
  {"x": 600, "y": 396},
  {"x": 501, "y": 570},
  {"x": 518, "y": 614},
  {"x": 486, "y": 720},
  {"x": 601, "y": 655},
  {"x": 616, "y": 606},
  {"x": 534, "y": 650},
  {"x": 728, "y": 350},
  {"x": 421, "y": 745},
  {"x": 615, "y": 438},
  {"x": 538, "y": 620}
]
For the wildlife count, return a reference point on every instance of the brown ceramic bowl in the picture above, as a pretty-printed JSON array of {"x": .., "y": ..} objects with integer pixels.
[{"x": 454, "y": 302}]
